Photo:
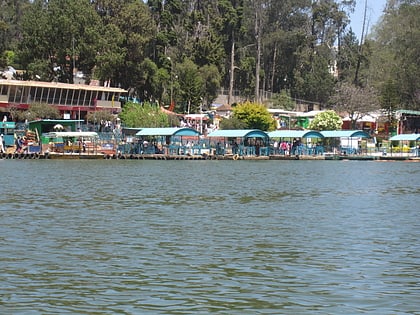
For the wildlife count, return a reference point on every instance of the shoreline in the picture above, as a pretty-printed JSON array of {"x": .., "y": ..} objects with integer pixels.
[{"x": 325, "y": 157}]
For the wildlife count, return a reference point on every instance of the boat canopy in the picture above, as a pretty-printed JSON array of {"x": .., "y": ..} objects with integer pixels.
[
  {"x": 71, "y": 134},
  {"x": 406, "y": 137},
  {"x": 239, "y": 133},
  {"x": 295, "y": 134},
  {"x": 168, "y": 132},
  {"x": 345, "y": 134}
]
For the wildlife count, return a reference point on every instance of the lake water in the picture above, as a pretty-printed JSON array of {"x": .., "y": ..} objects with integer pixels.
[{"x": 209, "y": 237}]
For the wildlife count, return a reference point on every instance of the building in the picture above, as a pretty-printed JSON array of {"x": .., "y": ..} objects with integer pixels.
[{"x": 72, "y": 100}]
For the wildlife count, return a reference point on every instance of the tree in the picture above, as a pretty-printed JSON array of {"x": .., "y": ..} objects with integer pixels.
[
  {"x": 396, "y": 52},
  {"x": 347, "y": 57},
  {"x": 10, "y": 29},
  {"x": 283, "y": 101},
  {"x": 254, "y": 116},
  {"x": 232, "y": 123},
  {"x": 211, "y": 78},
  {"x": 98, "y": 116},
  {"x": 62, "y": 36},
  {"x": 36, "y": 111},
  {"x": 190, "y": 86},
  {"x": 144, "y": 115},
  {"x": 356, "y": 101},
  {"x": 136, "y": 25},
  {"x": 313, "y": 79},
  {"x": 328, "y": 120}
]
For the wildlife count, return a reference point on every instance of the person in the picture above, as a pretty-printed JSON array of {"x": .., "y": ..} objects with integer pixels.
[
  {"x": 18, "y": 144},
  {"x": 2, "y": 144},
  {"x": 235, "y": 148},
  {"x": 276, "y": 147}
]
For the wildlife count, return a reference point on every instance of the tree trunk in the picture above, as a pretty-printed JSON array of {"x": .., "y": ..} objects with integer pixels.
[
  {"x": 232, "y": 70},
  {"x": 359, "y": 57},
  {"x": 258, "y": 63}
]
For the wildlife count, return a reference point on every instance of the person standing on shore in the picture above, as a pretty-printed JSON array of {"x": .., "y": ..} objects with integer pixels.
[
  {"x": 2, "y": 144},
  {"x": 18, "y": 144}
]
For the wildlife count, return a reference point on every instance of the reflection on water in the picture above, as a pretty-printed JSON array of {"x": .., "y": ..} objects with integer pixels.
[{"x": 200, "y": 237}]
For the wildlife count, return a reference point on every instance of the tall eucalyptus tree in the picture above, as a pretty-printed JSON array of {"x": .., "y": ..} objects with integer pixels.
[
  {"x": 59, "y": 36},
  {"x": 11, "y": 13},
  {"x": 396, "y": 52},
  {"x": 128, "y": 30}
]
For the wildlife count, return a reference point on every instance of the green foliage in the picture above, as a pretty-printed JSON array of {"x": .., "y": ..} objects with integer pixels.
[
  {"x": 144, "y": 115},
  {"x": 191, "y": 86},
  {"x": 347, "y": 57},
  {"x": 314, "y": 81},
  {"x": 283, "y": 101},
  {"x": 232, "y": 123},
  {"x": 211, "y": 78},
  {"x": 396, "y": 53},
  {"x": 328, "y": 120},
  {"x": 36, "y": 111},
  {"x": 292, "y": 43},
  {"x": 254, "y": 116},
  {"x": 62, "y": 34},
  {"x": 98, "y": 116}
]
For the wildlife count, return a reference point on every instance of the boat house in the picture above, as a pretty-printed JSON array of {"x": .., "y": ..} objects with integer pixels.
[
  {"x": 241, "y": 142},
  {"x": 297, "y": 142},
  {"x": 169, "y": 141}
]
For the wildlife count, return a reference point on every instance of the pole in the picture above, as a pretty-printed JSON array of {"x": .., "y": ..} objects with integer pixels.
[{"x": 201, "y": 116}]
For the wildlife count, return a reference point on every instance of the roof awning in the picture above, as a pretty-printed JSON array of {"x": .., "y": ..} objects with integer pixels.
[
  {"x": 197, "y": 116},
  {"x": 406, "y": 137},
  {"x": 168, "y": 132},
  {"x": 295, "y": 134},
  {"x": 239, "y": 133},
  {"x": 71, "y": 134},
  {"x": 345, "y": 134}
]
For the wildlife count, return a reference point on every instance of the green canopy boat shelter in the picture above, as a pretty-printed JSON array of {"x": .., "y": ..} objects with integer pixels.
[
  {"x": 348, "y": 139},
  {"x": 290, "y": 134},
  {"x": 241, "y": 141},
  {"x": 303, "y": 148},
  {"x": 173, "y": 139},
  {"x": 345, "y": 134},
  {"x": 407, "y": 139}
]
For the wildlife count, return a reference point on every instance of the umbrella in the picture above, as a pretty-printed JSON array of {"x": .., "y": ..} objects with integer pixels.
[{"x": 58, "y": 127}]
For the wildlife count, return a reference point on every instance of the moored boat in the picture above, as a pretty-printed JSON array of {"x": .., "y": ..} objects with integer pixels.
[{"x": 73, "y": 145}]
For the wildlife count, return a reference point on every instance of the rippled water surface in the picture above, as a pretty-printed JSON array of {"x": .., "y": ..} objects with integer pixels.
[{"x": 209, "y": 237}]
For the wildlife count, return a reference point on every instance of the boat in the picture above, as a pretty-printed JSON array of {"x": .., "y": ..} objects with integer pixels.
[{"x": 73, "y": 145}]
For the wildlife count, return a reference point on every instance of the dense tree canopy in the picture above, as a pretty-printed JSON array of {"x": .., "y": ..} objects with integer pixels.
[
  {"x": 328, "y": 120},
  {"x": 396, "y": 53},
  {"x": 187, "y": 50},
  {"x": 254, "y": 116},
  {"x": 146, "y": 115}
]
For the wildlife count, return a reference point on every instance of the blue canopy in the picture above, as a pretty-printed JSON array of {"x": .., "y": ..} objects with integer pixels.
[
  {"x": 168, "y": 132},
  {"x": 345, "y": 134},
  {"x": 406, "y": 137},
  {"x": 239, "y": 133},
  {"x": 295, "y": 134}
]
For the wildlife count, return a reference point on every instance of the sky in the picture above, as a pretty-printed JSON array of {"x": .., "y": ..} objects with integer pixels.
[{"x": 374, "y": 12}]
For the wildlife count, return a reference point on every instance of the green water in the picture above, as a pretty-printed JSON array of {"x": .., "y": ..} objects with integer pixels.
[{"x": 209, "y": 237}]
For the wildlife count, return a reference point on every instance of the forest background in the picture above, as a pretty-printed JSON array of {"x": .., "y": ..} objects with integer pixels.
[{"x": 183, "y": 52}]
